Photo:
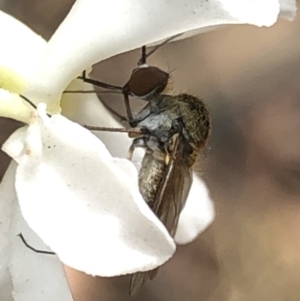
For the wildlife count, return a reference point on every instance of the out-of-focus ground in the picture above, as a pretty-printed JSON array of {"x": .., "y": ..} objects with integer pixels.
[{"x": 250, "y": 79}]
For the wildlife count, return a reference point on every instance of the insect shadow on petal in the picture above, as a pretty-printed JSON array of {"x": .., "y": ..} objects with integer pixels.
[{"x": 173, "y": 129}]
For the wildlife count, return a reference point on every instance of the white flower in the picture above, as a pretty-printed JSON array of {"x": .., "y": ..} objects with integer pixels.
[{"x": 80, "y": 200}]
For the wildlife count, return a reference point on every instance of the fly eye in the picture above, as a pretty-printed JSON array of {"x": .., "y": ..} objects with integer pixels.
[{"x": 145, "y": 81}]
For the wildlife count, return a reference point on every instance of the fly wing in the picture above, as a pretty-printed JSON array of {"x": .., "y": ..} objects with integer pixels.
[
  {"x": 169, "y": 202},
  {"x": 174, "y": 189},
  {"x": 174, "y": 197}
]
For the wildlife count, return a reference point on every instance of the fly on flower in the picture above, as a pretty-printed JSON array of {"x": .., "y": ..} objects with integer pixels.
[{"x": 173, "y": 131}]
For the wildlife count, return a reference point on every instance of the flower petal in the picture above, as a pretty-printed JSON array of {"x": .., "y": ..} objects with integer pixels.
[
  {"x": 13, "y": 106},
  {"x": 29, "y": 276},
  {"x": 20, "y": 53},
  {"x": 14, "y": 146},
  {"x": 106, "y": 28},
  {"x": 6, "y": 210},
  {"x": 288, "y": 9},
  {"x": 197, "y": 214},
  {"x": 84, "y": 204},
  {"x": 35, "y": 276}
]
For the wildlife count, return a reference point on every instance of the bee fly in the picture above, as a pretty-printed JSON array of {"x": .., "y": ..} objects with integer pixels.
[{"x": 174, "y": 131}]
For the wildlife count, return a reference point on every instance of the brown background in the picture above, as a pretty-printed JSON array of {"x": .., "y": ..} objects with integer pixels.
[{"x": 250, "y": 79}]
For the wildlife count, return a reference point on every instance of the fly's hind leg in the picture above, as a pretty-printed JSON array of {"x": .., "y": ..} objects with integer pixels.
[{"x": 171, "y": 148}]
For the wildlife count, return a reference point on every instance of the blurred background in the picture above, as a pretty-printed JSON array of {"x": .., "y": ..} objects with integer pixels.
[{"x": 250, "y": 80}]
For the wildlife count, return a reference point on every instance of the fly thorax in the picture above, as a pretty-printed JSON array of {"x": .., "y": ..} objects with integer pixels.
[{"x": 158, "y": 125}]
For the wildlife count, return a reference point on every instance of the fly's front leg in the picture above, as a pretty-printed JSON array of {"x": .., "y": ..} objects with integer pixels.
[
  {"x": 124, "y": 90},
  {"x": 109, "y": 87},
  {"x": 132, "y": 122},
  {"x": 99, "y": 84}
]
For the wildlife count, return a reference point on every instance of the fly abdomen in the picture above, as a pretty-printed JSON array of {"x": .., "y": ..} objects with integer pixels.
[{"x": 151, "y": 174}]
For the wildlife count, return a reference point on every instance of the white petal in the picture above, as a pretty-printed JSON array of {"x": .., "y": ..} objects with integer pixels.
[
  {"x": 83, "y": 205},
  {"x": 13, "y": 106},
  {"x": 35, "y": 276},
  {"x": 20, "y": 52},
  {"x": 197, "y": 214},
  {"x": 29, "y": 276},
  {"x": 288, "y": 9},
  {"x": 15, "y": 145},
  {"x": 95, "y": 30},
  {"x": 6, "y": 207}
]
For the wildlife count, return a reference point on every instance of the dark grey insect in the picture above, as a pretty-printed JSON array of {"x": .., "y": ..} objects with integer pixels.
[{"x": 174, "y": 131}]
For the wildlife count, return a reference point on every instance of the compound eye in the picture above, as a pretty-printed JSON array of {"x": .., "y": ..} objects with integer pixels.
[{"x": 145, "y": 81}]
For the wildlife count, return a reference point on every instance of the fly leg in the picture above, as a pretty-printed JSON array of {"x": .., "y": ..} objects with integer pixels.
[
  {"x": 132, "y": 122},
  {"x": 32, "y": 248},
  {"x": 99, "y": 84},
  {"x": 105, "y": 86},
  {"x": 171, "y": 144},
  {"x": 137, "y": 142},
  {"x": 171, "y": 148},
  {"x": 124, "y": 90},
  {"x": 132, "y": 132},
  {"x": 145, "y": 55}
]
